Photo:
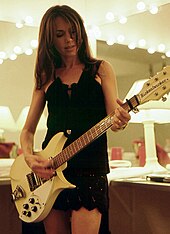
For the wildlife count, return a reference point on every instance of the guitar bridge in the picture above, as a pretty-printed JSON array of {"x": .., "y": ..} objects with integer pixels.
[
  {"x": 18, "y": 193},
  {"x": 34, "y": 181}
]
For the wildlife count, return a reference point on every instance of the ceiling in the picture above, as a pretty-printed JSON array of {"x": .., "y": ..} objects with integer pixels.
[{"x": 140, "y": 25}]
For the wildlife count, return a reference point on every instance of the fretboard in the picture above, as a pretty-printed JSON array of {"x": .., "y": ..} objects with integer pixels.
[{"x": 91, "y": 135}]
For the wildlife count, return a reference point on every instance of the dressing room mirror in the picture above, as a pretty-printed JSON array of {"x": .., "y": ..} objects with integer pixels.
[{"x": 16, "y": 74}]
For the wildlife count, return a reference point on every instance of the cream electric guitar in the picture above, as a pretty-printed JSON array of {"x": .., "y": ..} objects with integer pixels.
[{"x": 33, "y": 196}]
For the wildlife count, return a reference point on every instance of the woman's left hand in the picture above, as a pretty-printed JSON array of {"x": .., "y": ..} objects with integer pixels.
[{"x": 120, "y": 118}]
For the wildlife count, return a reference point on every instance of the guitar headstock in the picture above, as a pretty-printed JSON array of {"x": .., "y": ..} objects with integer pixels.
[{"x": 156, "y": 87}]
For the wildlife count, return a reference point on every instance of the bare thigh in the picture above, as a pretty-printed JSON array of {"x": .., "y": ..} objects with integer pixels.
[
  {"x": 84, "y": 221},
  {"x": 57, "y": 222}
]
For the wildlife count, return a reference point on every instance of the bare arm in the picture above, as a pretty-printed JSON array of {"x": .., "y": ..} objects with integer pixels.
[
  {"x": 38, "y": 164},
  {"x": 112, "y": 102}
]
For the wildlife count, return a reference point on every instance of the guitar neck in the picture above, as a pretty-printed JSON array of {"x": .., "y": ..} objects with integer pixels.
[{"x": 91, "y": 135}]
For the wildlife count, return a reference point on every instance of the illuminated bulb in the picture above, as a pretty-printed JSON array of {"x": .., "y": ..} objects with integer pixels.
[
  {"x": 12, "y": 56},
  {"x": 34, "y": 43},
  {"x": 123, "y": 20},
  {"x": 120, "y": 38},
  {"x": 2, "y": 54},
  {"x": 142, "y": 42},
  {"x": 28, "y": 51},
  {"x": 153, "y": 9},
  {"x": 132, "y": 46},
  {"x": 29, "y": 20},
  {"x": 19, "y": 24},
  {"x": 96, "y": 31},
  {"x": 141, "y": 6},
  {"x": 110, "y": 16},
  {"x": 168, "y": 53},
  {"x": 151, "y": 50},
  {"x": 161, "y": 47},
  {"x": 110, "y": 41},
  {"x": 17, "y": 50}
]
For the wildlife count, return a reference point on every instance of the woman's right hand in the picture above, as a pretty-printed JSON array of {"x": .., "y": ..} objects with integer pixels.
[{"x": 40, "y": 166}]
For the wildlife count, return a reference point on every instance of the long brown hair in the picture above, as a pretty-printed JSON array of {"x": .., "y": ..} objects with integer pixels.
[{"x": 47, "y": 56}]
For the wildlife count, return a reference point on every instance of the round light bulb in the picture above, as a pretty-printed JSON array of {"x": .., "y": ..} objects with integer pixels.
[
  {"x": 13, "y": 56},
  {"x": 161, "y": 47},
  {"x": 2, "y": 54},
  {"x": 17, "y": 50},
  {"x": 141, "y": 6},
  {"x": 121, "y": 38},
  {"x": 168, "y": 53},
  {"x": 110, "y": 16},
  {"x": 142, "y": 42},
  {"x": 151, "y": 50},
  {"x": 34, "y": 43},
  {"x": 19, "y": 25},
  {"x": 29, "y": 20},
  {"x": 153, "y": 9},
  {"x": 123, "y": 20},
  {"x": 28, "y": 51},
  {"x": 110, "y": 41},
  {"x": 132, "y": 46}
]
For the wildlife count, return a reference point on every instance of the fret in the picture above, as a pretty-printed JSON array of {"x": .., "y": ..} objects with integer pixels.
[
  {"x": 79, "y": 143},
  {"x": 83, "y": 140},
  {"x": 54, "y": 163},
  {"x": 64, "y": 156},
  {"x": 68, "y": 152},
  {"x": 91, "y": 133},
  {"x": 72, "y": 148},
  {"x": 86, "y": 138},
  {"x": 75, "y": 146},
  {"x": 83, "y": 143},
  {"x": 59, "y": 158},
  {"x": 102, "y": 127}
]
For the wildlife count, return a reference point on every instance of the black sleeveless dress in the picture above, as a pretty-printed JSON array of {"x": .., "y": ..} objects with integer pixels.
[{"x": 78, "y": 112}]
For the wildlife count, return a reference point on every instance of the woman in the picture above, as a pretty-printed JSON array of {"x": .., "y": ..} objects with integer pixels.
[{"x": 79, "y": 91}]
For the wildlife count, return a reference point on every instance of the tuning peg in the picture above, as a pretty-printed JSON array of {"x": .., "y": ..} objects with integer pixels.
[
  {"x": 135, "y": 110},
  {"x": 164, "y": 99}
]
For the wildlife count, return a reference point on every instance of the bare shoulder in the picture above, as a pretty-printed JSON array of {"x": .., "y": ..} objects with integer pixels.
[
  {"x": 105, "y": 64},
  {"x": 106, "y": 70}
]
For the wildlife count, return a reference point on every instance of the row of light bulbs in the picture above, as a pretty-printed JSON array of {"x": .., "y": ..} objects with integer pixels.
[
  {"x": 141, "y": 43},
  {"x": 140, "y": 7},
  {"x": 121, "y": 39},
  {"x": 17, "y": 50}
]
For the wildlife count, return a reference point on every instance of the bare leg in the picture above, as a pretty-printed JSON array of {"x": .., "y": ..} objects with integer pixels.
[
  {"x": 57, "y": 222},
  {"x": 84, "y": 221}
]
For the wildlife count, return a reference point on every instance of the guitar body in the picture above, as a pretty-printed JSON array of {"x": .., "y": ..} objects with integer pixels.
[{"x": 34, "y": 206}]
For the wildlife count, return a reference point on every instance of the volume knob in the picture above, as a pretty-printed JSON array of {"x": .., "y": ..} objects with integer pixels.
[
  {"x": 26, "y": 206},
  {"x": 32, "y": 200},
  {"x": 28, "y": 214},
  {"x": 34, "y": 208}
]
